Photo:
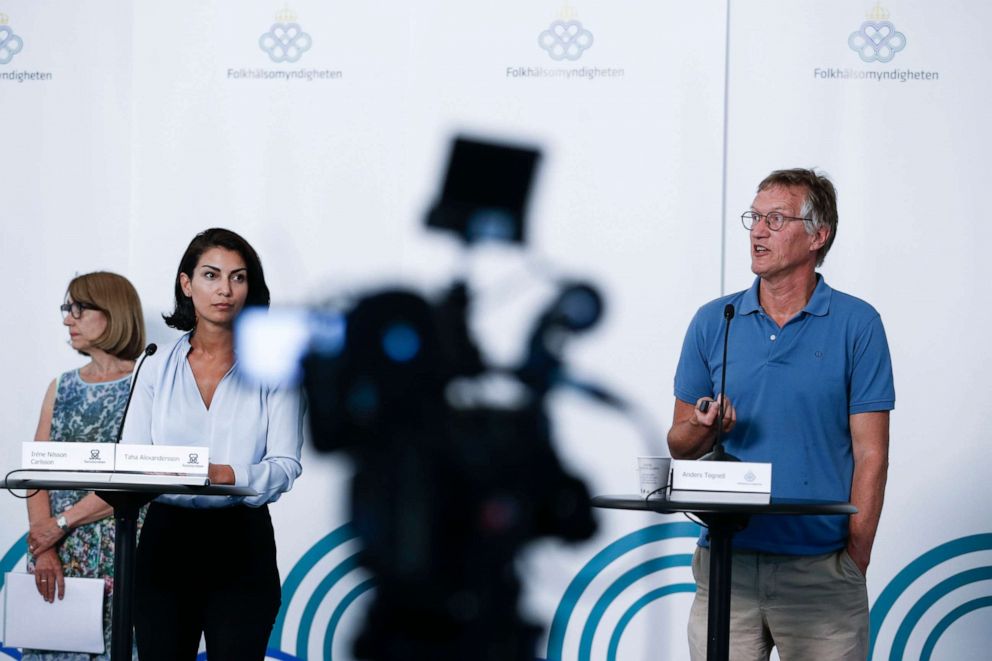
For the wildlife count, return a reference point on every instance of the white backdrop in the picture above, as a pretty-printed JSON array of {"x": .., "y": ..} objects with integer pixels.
[{"x": 128, "y": 128}]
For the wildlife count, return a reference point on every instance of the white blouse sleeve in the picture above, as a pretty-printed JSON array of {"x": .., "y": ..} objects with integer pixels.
[{"x": 280, "y": 465}]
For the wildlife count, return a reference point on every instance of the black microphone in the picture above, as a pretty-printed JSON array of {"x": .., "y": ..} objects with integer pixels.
[
  {"x": 718, "y": 453},
  {"x": 149, "y": 351}
]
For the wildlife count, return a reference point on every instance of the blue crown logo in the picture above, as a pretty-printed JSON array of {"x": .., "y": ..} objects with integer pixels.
[
  {"x": 877, "y": 40},
  {"x": 10, "y": 43},
  {"x": 285, "y": 41},
  {"x": 565, "y": 38}
]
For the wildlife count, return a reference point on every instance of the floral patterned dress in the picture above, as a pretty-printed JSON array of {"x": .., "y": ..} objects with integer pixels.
[{"x": 91, "y": 413}]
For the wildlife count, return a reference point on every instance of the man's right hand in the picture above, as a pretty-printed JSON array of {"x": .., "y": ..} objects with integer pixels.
[
  {"x": 693, "y": 431},
  {"x": 708, "y": 418}
]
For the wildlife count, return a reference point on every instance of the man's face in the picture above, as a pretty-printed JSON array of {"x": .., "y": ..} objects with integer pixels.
[{"x": 778, "y": 254}]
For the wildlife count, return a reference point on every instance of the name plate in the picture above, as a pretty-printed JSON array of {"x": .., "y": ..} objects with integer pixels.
[
  {"x": 737, "y": 476},
  {"x": 52, "y": 455},
  {"x": 188, "y": 459}
]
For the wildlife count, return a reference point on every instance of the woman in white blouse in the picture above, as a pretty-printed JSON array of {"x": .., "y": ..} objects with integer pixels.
[{"x": 207, "y": 564}]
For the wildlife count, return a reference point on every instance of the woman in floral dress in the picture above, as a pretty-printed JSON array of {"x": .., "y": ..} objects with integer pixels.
[{"x": 72, "y": 532}]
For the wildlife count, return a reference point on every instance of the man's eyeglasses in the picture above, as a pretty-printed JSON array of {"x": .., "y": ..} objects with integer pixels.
[
  {"x": 75, "y": 309},
  {"x": 775, "y": 220}
]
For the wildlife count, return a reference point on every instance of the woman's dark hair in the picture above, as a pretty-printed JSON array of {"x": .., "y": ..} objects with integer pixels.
[{"x": 184, "y": 316}]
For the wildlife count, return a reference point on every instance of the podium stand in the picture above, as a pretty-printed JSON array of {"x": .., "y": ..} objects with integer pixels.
[
  {"x": 127, "y": 498},
  {"x": 724, "y": 519}
]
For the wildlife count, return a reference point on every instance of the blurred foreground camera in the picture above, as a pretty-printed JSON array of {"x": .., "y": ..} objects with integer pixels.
[
  {"x": 451, "y": 480},
  {"x": 446, "y": 488}
]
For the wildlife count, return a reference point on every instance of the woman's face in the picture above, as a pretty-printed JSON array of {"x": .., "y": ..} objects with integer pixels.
[
  {"x": 218, "y": 287},
  {"x": 85, "y": 330}
]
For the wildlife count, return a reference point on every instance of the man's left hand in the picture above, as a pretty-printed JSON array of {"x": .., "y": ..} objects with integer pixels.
[{"x": 860, "y": 559}]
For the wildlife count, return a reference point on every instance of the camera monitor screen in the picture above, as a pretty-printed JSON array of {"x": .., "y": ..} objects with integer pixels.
[{"x": 485, "y": 191}]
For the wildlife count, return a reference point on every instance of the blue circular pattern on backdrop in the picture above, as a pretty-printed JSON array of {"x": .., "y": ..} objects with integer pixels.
[
  {"x": 600, "y": 562},
  {"x": 576, "y": 589},
  {"x": 912, "y": 572}
]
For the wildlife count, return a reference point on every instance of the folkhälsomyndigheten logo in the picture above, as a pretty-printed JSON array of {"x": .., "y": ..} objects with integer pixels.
[
  {"x": 877, "y": 40},
  {"x": 285, "y": 41},
  {"x": 565, "y": 38},
  {"x": 10, "y": 43}
]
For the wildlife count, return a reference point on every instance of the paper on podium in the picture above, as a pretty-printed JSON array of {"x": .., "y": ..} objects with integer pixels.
[{"x": 72, "y": 624}]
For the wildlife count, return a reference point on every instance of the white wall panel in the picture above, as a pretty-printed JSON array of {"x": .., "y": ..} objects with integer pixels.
[{"x": 159, "y": 120}]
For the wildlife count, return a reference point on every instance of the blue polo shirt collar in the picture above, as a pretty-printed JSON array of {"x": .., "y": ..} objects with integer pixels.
[{"x": 818, "y": 304}]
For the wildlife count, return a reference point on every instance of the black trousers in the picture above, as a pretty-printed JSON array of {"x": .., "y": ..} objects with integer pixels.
[{"x": 209, "y": 571}]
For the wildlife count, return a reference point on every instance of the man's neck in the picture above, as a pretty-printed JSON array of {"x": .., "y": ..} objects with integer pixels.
[{"x": 783, "y": 298}]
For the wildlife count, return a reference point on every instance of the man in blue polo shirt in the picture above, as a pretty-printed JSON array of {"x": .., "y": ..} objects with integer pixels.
[{"x": 809, "y": 389}]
